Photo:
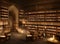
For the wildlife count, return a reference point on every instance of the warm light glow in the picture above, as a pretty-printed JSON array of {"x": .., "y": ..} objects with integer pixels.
[
  {"x": 23, "y": 22},
  {"x": 52, "y": 39},
  {"x": 1, "y": 23},
  {"x": 2, "y": 36},
  {"x": 45, "y": 27},
  {"x": 23, "y": 31},
  {"x": 29, "y": 35},
  {"x": 20, "y": 30}
]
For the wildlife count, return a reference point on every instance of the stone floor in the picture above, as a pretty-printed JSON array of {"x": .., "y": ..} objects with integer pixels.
[{"x": 16, "y": 40}]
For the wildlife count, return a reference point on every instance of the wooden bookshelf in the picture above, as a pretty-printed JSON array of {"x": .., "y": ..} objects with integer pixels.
[
  {"x": 4, "y": 16},
  {"x": 38, "y": 20}
]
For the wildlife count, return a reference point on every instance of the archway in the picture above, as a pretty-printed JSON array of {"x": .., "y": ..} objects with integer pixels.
[
  {"x": 13, "y": 17},
  {"x": 13, "y": 20}
]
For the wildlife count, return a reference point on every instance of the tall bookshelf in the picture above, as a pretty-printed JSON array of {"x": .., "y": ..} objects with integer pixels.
[
  {"x": 44, "y": 20},
  {"x": 4, "y": 16}
]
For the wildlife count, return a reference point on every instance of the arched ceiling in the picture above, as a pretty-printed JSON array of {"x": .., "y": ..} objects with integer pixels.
[{"x": 26, "y": 3}]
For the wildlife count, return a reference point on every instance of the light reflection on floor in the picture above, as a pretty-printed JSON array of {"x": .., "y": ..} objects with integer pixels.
[{"x": 16, "y": 39}]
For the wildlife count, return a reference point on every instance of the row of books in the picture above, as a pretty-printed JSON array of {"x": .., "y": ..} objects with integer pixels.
[
  {"x": 42, "y": 20},
  {"x": 4, "y": 23}
]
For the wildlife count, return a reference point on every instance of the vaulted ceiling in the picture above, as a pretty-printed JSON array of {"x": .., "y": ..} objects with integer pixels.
[
  {"x": 26, "y": 3},
  {"x": 33, "y": 1}
]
